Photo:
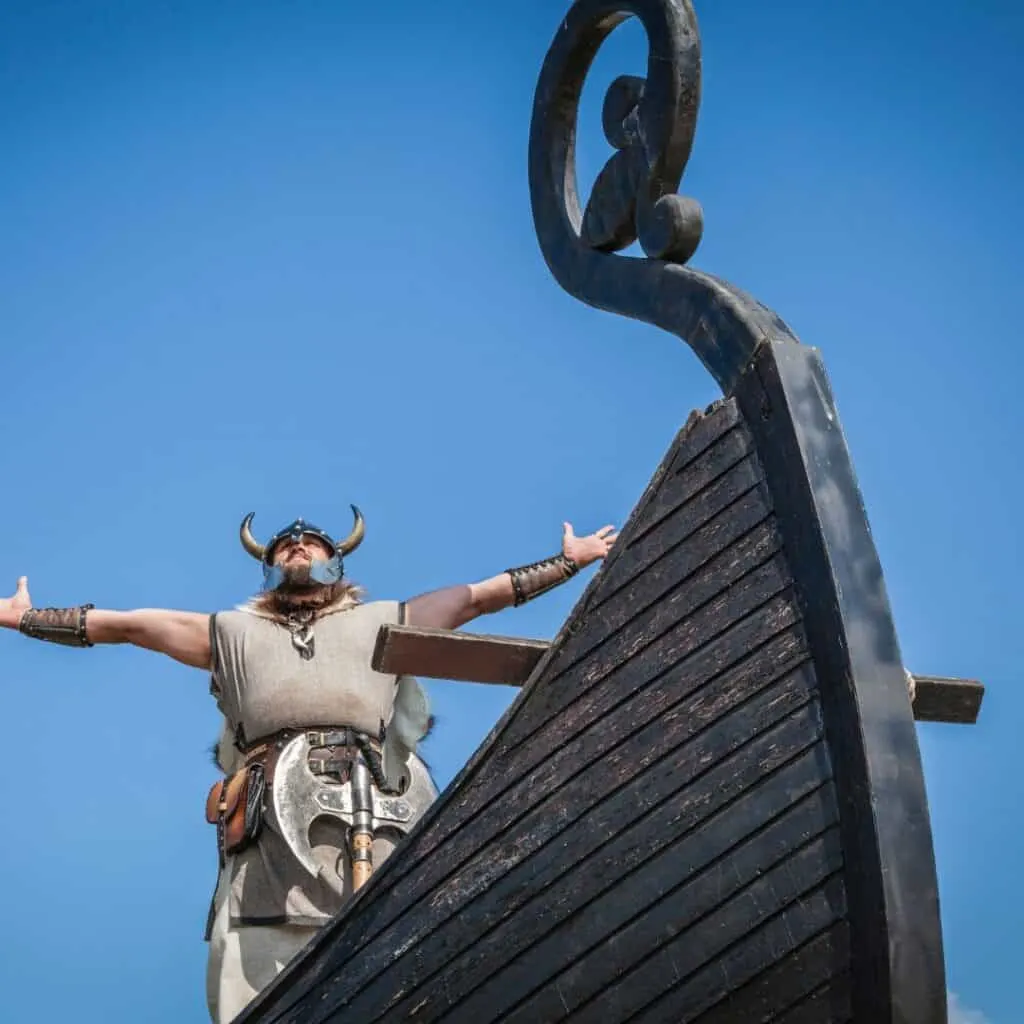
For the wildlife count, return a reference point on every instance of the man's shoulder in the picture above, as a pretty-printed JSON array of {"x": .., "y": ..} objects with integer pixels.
[
  {"x": 234, "y": 619},
  {"x": 384, "y": 611},
  {"x": 245, "y": 613},
  {"x": 233, "y": 614}
]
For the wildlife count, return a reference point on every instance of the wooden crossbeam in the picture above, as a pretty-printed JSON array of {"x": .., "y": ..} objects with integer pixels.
[
  {"x": 478, "y": 658},
  {"x": 947, "y": 699},
  {"x": 445, "y": 654}
]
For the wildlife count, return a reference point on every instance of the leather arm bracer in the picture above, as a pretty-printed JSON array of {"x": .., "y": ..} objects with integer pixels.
[
  {"x": 530, "y": 581},
  {"x": 57, "y": 625}
]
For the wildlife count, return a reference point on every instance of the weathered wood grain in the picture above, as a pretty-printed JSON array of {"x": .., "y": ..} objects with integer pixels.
[
  {"x": 684, "y": 521},
  {"x": 702, "y": 429},
  {"x": 702, "y": 474},
  {"x": 712, "y": 737},
  {"x": 627, "y": 835},
  {"x": 677, "y": 627},
  {"x": 619, "y": 679},
  {"x": 783, "y": 907},
  {"x": 829, "y": 1004},
  {"x": 788, "y": 984},
  {"x": 944, "y": 699},
  {"x": 497, "y": 815},
  {"x": 721, "y": 541},
  {"x": 625, "y": 925}
]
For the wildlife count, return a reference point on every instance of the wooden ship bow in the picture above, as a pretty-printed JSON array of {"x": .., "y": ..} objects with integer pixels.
[{"x": 706, "y": 803}]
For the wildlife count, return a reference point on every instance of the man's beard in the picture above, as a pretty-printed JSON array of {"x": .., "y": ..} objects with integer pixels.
[
  {"x": 296, "y": 577},
  {"x": 297, "y": 593}
]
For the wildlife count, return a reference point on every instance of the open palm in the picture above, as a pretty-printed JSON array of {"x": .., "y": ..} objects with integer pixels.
[
  {"x": 592, "y": 548},
  {"x": 21, "y": 601}
]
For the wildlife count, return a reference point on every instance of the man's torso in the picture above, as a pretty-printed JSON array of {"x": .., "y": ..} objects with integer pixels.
[{"x": 264, "y": 684}]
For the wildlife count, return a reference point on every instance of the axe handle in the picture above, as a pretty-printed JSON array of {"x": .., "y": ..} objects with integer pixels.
[
  {"x": 362, "y": 824},
  {"x": 362, "y": 859}
]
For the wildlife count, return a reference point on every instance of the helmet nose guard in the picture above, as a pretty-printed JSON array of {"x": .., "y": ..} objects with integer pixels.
[{"x": 321, "y": 570}]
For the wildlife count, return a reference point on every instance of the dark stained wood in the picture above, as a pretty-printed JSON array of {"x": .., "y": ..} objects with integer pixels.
[
  {"x": 786, "y": 401},
  {"x": 592, "y": 726},
  {"x": 944, "y": 699},
  {"x": 623, "y": 836},
  {"x": 544, "y": 802},
  {"x": 829, "y": 1004},
  {"x": 770, "y": 823},
  {"x": 702, "y": 429},
  {"x": 787, "y": 985},
  {"x": 895, "y": 930},
  {"x": 593, "y": 689},
  {"x": 471, "y": 657},
  {"x": 744, "y": 936},
  {"x": 685, "y": 520},
  {"x": 722, "y": 324},
  {"x": 717, "y": 476},
  {"x": 677, "y": 627}
]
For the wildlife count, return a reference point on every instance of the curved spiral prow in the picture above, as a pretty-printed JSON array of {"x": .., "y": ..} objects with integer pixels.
[
  {"x": 651, "y": 123},
  {"x": 779, "y": 391}
]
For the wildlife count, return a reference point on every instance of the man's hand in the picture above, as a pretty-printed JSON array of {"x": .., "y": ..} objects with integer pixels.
[
  {"x": 184, "y": 636},
  {"x": 12, "y": 608},
  {"x": 584, "y": 550},
  {"x": 452, "y": 607}
]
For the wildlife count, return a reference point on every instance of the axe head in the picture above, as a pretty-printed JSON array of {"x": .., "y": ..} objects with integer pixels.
[{"x": 299, "y": 797}]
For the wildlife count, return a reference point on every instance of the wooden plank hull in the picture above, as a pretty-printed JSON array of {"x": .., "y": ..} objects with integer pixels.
[{"x": 706, "y": 804}]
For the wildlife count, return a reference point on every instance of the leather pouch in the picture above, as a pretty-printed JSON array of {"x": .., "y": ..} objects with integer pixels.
[{"x": 235, "y": 806}]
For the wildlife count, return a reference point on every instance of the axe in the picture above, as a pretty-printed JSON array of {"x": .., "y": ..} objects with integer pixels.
[{"x": 299, "y": 797}]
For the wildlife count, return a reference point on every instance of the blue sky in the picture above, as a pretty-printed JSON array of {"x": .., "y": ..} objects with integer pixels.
[{"x": 278, "y": 257}]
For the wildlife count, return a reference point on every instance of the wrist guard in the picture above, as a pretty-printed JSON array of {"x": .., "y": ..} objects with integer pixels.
[
  {"x": 530, "y": 581},
  {"x": 57, "y": 625}
]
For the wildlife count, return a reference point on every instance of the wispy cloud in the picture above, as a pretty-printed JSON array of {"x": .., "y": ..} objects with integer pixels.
[{"x": 960, "y": 1014}]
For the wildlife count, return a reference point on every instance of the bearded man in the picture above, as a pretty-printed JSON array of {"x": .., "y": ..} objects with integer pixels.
[{"x": 290, "y": 669}]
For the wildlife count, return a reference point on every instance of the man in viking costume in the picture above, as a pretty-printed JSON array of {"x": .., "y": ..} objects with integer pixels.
[{"x": 319, "y": 750}]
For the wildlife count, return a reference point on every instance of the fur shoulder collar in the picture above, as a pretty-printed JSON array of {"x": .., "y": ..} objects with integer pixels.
[{"x": 343, "y": 604}]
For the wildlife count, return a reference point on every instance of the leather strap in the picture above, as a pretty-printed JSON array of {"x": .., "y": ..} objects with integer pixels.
[
  {"x": 530, "y": 581},
  {"x": 331, "y": 749},
  {"x": 57, "y": 625}
]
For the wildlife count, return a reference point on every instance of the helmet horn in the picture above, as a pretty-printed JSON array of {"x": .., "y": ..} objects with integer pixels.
[
  {"x": 355, "y": 538},
  {"x": 249, "y": 542}
]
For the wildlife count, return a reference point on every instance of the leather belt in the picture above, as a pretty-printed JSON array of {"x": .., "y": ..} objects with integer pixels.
[
  {"x": 332, "y": 749},
  {"x": 343, "y": 737}
]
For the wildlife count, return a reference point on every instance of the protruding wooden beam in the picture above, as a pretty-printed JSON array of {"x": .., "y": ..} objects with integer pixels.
[
  {"x": 478, "y": 658},
  {"x": 946, "y": 699},
  {"x": 445, "y": 654}
]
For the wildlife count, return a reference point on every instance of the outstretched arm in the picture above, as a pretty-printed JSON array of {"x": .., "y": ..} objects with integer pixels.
[
  {"x": 184, "y": 636},
  {"x": 452, "y": 607}
]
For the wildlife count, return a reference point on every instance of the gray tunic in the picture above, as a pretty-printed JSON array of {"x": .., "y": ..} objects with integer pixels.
[{"x": 261, "y": 683}]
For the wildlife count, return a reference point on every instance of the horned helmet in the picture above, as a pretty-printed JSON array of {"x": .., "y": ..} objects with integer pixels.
[{"x": 321, "y": 570}]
